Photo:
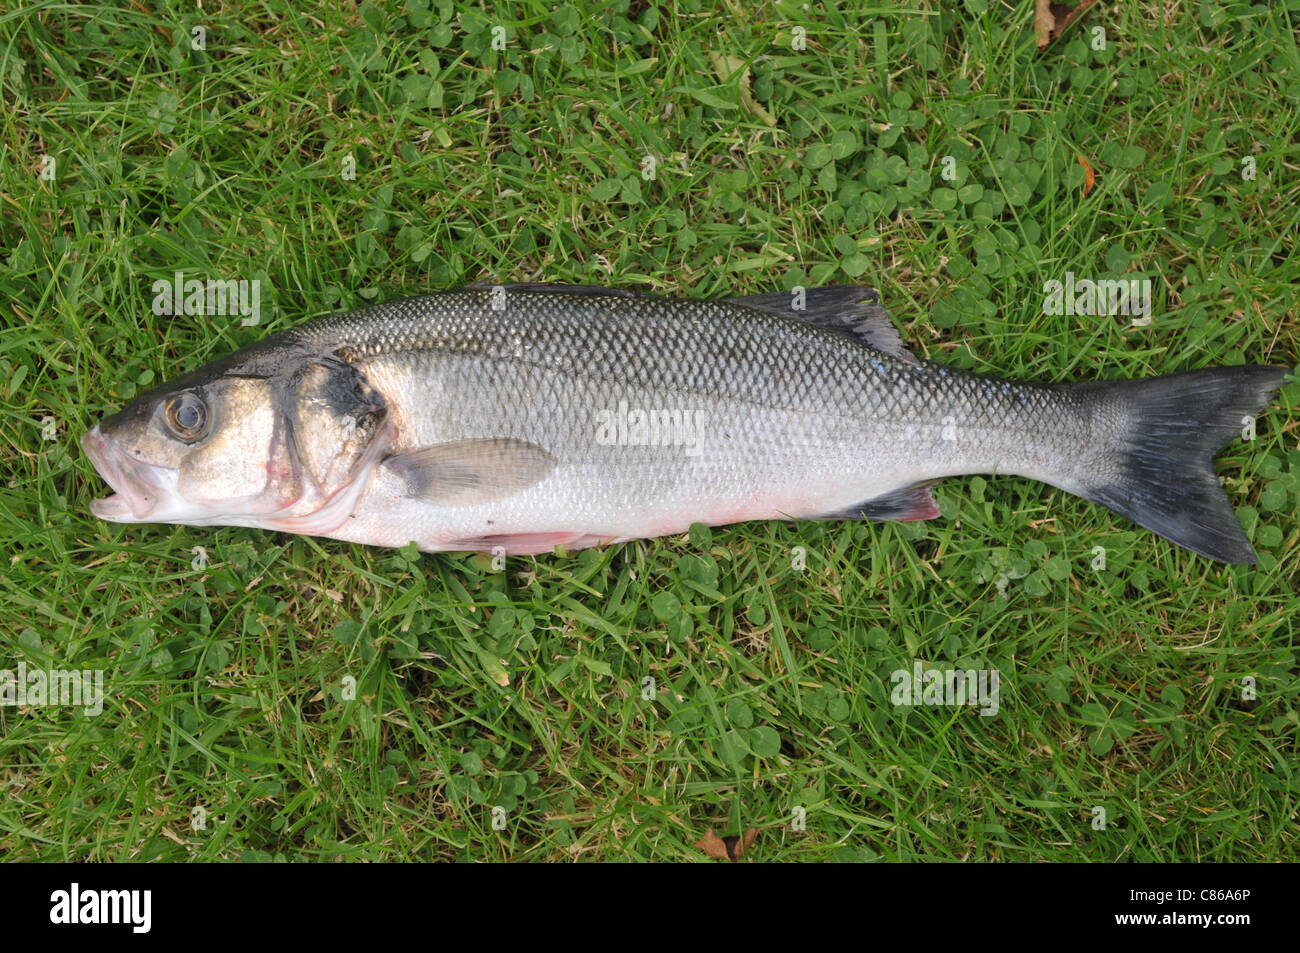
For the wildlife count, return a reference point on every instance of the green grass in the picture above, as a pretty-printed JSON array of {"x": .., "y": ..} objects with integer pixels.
[{"x": 1120, "y": 688}]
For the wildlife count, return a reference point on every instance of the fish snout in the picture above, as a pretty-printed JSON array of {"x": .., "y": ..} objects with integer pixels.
[{"x": 137, "y": 489}]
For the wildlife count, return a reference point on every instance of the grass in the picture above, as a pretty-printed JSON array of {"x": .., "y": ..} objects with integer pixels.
[{"x": 226, "y": 732}]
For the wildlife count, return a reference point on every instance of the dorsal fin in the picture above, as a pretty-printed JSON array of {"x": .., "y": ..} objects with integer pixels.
[
  {"x": 849, "y": 309},
  {"x": 553, "y": 288}
]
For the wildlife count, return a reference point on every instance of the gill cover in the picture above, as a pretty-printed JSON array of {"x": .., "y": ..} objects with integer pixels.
[{"x": 333, "y": 417}]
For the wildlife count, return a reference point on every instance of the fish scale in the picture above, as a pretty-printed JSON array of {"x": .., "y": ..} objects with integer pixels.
[{"x": 811, "y": 416}]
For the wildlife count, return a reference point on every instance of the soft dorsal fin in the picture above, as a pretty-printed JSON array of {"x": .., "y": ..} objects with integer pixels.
[
  {"x": 849, "y": 309},
  {"x": 520, "y": 287}
]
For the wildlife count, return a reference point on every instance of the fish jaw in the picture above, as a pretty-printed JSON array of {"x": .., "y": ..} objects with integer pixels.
[
  {"x": 140, "y": 488},
  {"x": 149, "y": 493}
]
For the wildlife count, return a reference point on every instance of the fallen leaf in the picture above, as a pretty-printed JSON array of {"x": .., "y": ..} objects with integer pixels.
[
  {"x": 712, "y": 845},
  {"x": 727, "y": 848},
  {"x": 1089, "y": 177},
  {"x": 1044, "y": 23},
  {"x": 1053, "y": 19},
  {"x": 726, "y": 67},
  {"x": 742, "y": 844}
]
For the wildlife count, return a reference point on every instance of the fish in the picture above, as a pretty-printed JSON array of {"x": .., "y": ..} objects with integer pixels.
[{"x": 521, "y": 419}]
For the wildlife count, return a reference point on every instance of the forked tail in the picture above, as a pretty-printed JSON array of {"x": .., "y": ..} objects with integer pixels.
[{"x": 1160, "y": 471}]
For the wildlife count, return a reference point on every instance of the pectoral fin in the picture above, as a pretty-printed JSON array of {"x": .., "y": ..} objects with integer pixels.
[{"x": 469, "y": 472}]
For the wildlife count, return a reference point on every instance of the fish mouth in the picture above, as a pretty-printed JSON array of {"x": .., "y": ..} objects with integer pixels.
[{"x": 139, "y": 486}]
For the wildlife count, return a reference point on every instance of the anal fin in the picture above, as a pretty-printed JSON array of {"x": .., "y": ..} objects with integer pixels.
[
  {"x": 527, "y": 544},
  {"x": 907, "y": 505}
]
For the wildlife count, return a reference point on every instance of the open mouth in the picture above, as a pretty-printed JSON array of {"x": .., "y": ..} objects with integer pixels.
[{"x": 137, "y": 485}]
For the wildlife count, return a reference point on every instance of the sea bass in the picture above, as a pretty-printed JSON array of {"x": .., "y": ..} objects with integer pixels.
[{"x": 520, "y": 418}]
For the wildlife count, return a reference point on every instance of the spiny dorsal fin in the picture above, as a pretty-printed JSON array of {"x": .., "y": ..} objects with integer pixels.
[{"x": 849, "y": 309}]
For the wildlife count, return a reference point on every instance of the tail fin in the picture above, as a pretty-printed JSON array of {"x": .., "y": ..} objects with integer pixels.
[{"x": 1163, "y": 472}]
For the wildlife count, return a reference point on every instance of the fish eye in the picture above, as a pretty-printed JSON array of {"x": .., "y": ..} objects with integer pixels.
[{"x": 187, "y": 416}]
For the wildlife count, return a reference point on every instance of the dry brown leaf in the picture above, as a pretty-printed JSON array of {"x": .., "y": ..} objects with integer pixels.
[
  {"x": 727, "y": 848},
  {"x": 712, "y": 845},
  {"x": 1044, "y": 23},
  {"x": 1053, "y": 19},
  {"x": 743, "y": 843},
  {"x": 1089, "y": 176}
]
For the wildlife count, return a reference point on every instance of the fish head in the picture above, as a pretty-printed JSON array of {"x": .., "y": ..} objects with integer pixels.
[
  {"x": 286, "y": 446},
  {"x": 192, "y": 452}
]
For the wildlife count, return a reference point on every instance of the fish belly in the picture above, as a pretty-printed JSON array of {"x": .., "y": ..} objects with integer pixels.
[{"x": 631, "y": 462}]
